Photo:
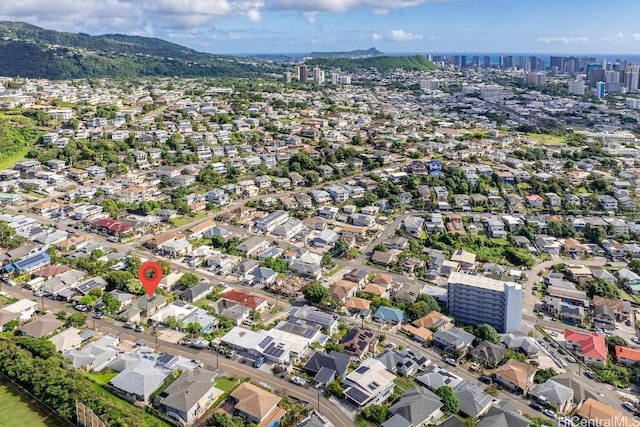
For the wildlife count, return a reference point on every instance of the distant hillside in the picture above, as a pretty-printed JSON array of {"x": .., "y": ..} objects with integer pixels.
[
  {"x": 30, "y": 51},
  {"x": 382, "y": 63},
  {"x": 352, "y": 54}
]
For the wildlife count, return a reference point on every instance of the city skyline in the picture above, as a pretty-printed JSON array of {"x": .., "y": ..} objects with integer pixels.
[{"x": 393, "y": 26}]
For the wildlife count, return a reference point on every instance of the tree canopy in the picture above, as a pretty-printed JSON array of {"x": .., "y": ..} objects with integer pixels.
[{"x": 315, "y": 293}]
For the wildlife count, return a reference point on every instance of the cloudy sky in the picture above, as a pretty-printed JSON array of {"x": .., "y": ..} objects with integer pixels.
[{"x": 257, "y": 26}]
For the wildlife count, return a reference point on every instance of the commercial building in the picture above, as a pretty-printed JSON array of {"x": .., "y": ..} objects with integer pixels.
[{"x": 474, "y": 299}]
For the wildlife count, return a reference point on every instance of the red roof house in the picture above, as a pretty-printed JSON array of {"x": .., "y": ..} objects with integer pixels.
[
  {"x": 627, "y": 356},
  {"x": 591, "y": 347},
  {"x": 246, "y": 299}
]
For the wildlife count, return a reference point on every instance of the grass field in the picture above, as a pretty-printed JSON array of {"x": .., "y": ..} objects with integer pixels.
[
  {"x": 17, "y": 410},
  {"x": 10, "y": 161},
  {"x": 543, "y": 138}
]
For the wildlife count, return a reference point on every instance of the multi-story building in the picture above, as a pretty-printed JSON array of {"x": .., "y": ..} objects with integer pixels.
[{"x": 474, "y": 299}]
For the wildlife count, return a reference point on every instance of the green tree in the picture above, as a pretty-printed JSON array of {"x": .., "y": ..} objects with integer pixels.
[
  {"x": 431, "y": 302},
  {"x": 188, "y": 280},
  {"x": 9, "y": 239},
  {"x": 172, "y": 322},
  {"x": 315, "y": 293},
  {"x": 486, "y": 332},
  {"x": 543, "y": 375},
  {"x": 376, "y": 413},
  {"x": 165, "y": 265},
  {"x": 634, "y": 265},
  {"x": 614, "y": 341},
  {"x": 38, "y": 347},
  {"x": 111, "y": 303},
  {"x": 222, "y": 419},
  {"x": 326, "y": 261},
  {"x": 335, "y": 388},
  {"x": 77, "y": 320},
  {"x": 417, "y": 310},
  {"x": 449, "y": 399},
  {"x": 119, "y": 280},
  {"x": 193, "y": 328}
]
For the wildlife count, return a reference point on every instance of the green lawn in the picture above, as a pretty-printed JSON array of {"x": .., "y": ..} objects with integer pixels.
[
  {"x": 17, "y": 410},
  {"x": 226, "y": 384},
  {"x": 405, "y": 384},
  {"x": 543, "y": 138},
  {"x": 11, "y": 161},
  {"x": 101, "y": 378}
]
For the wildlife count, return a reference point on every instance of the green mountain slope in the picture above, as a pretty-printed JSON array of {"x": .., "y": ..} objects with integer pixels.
[
  {"x": 382, "y": 63},
  {"x": 30, "y": 51}
]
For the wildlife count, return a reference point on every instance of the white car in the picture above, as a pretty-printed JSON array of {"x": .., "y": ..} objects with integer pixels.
[
  {"x": 298, "y": 381},
  {"x": 571, "y": 359}
]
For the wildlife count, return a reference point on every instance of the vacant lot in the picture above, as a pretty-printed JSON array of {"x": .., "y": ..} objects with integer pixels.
[{"x": 543, "y": 138}]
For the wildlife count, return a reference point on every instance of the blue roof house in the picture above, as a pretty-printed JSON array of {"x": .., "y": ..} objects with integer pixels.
[{"x": 389, "y": 315}]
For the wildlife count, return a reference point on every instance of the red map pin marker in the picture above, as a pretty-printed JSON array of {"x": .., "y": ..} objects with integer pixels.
[{"x": 150, "y": 274}]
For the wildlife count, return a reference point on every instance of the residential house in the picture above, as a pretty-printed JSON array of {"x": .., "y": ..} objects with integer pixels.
[
  {"x": 359, "y": 342},
  {"x": 627, "y": 356},
  {"x": 621, "y": 308},
  {"x": 435, "y": 377},
  {"x": 555, "y": 393},
  {"x": 389, "y": 315},
  {"x": 189, "y": 396},
  {"x": 488, "y": 353},
  {"x": 327, "y": 367},
  {"x": 521, "y": 343},
  {"x": 403, "y": 362},
  {"x": 516, "y": 375},
  {"x": 41, "y": 327},
  {"x": 630, "y": 279},
  {"x": 67, "y": 339},
  {"x": 342, "y": 290},
  {"x": 434, "y": 320},
  {"x": 95, "y": 355},
  {"x": 573, "y": 247},
  {"x": 408, "y": 293},
  {"x": 308, "y": 265},
  {"x": 473, "y": 402},
  {"x": 256, "y": 405},
  {"x": 413, "y": 225},
  {"x": 418, "y": 407},
  {"x": 197, "y": 292},
  {"x": 23, "y": 308},
  {"x": 453, "y": 339},
  {"x": 595, "y": 413},
  {"x": 590, "y": 347},
  {"x": 369, "y": 384}
]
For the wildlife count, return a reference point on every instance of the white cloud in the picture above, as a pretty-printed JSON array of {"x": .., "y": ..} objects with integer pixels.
[
  {"x": 564, "y": 40},
  {"x": 397, "y": 36},
  {"x": 343, "y": 5},
  {"x": 621, "y": 38},
  {"x": 381, "y": 11},
  {"x": 129, "y": 16},
  {"x": 310, "y": 17},
  {"x": 403, "y": 36}
]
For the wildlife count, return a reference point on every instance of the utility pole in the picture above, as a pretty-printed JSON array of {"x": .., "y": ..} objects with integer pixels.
[
  {"x": 318, "y": 399},
  {"x": 155, "y": 330}
]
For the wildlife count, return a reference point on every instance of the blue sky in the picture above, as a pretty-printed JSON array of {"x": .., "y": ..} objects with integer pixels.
[{"x": 257, "y": 26}]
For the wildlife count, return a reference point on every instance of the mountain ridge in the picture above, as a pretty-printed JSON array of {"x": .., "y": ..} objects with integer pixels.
[{"x": 35, "y": 52}]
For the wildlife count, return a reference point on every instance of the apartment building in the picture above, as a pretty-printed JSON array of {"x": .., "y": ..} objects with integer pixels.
[{"x": 474, "y": 299}]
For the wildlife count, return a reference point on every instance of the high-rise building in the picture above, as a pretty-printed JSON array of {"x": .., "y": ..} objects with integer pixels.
[
  {"x": 301, "y": 73},
  {"x": 463, "y": 61},
  {"x": 486, "y": 61},
  {"x": 318, "y": 76},
  {"x": 474, "y": 299},
  {"x": 334, "y": 78},
  {"x": 535, "y": 79},
  {"x": 345, "y": 80},
  {"x": 506, "y": 62},
  {"x": 577, "y": 87},
  {"x": 632, "y": 77},
  {"x": 600, "y": 90}
]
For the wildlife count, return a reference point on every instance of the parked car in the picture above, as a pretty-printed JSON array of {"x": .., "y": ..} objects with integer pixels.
[
  {"x": 571, "y": 359},
  {"x": 81, "y": 307},
  {"x": 475, "y": 366},
  {"x": 629, "y": 406},
  {"x": 259, "y": 361},
  {"x": 536, "y": 406},
  {"x": 628, "y": 322},
  {"x": 451, "y": 361},
  {"x": 589, "y": 374},
  {"x": 138, "y": 328},
  {"x": 549, "y": 413},
  {"x": 298, "y": 381},
  {"x": 486, "y": 379},
  {"x": 129, "y": 325},
  {"x": 98, "y": 315}
]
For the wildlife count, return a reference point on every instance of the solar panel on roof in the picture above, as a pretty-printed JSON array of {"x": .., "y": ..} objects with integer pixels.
[
  {"x": 357, "y": 395},
  {"x": 265, "y": 342}
]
